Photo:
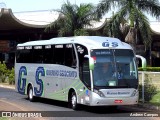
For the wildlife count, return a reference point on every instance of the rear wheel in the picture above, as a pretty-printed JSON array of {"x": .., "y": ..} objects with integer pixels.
[{"x": 30, "y": 94}]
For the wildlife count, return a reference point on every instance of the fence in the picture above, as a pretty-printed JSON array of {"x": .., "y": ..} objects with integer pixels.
[{"x": 149, "y": 85}]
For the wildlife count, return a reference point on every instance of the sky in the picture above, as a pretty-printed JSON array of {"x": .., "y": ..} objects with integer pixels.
[{"x": 34, "y": 5}]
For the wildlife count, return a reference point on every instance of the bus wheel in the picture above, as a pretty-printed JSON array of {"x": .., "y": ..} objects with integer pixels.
[
  {"x": 73, "y": 101},
  {"x": 30, "y": 94}
]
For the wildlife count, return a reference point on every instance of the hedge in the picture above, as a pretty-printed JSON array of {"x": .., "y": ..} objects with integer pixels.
[{"x": 151, "y": 69}]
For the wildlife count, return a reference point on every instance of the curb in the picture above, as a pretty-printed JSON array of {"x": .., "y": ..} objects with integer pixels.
[
  {"x": 7, "y": 86},
  {"x": 149, "y": 106}
]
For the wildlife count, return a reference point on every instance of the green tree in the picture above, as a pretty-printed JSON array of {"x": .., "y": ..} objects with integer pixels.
[
  {"x": 130, "y": 20},
  {"x": 73, "y": 19}
]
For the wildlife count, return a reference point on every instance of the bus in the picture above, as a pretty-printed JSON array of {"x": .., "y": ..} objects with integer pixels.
[{"x": 70, "y": 69}]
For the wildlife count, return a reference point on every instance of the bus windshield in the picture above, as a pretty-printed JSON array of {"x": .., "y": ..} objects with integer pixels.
[{"x": 114, "y": 68}]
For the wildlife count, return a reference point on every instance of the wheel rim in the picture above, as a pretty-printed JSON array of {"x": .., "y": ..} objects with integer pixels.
[
  {"x": 74, "y": 100},
  {"x": 30, "y": 94}
]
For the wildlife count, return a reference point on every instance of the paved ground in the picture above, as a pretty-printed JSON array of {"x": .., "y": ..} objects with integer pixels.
[{"x": 144, "y": 105}]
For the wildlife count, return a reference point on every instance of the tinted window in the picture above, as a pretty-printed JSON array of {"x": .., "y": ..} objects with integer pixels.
[
  {"x": 70, "y": 56},
  {"x": 59, "y": 54},
  {"x": 48, "y": 54},
  {"x": 63, "y": 54},
  {"x": 81, "y": 50},
  {"x": 23, "y": 54},
  {"x": 37, "y": 54}
]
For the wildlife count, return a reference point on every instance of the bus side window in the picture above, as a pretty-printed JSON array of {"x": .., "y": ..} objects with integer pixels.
[
  {"x": 19, "y": 56},
  {"x": 24, "y": 55},
  {"x": 37, "y": 54},
  {"x": 59, "y": 51},
  {"x": 70, "y": 56},
  {"x": 48, "y": 54},
  {"x": 27, "y": 55},
  {"x": 81, "y": 50}
]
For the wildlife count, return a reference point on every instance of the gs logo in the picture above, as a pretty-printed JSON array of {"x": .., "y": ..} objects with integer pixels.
[
  {"x": 107, "y": 44},
  {"x": 22, "y": 80}
]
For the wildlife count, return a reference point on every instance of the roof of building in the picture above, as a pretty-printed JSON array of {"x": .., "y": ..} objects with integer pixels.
[
  {"x": 40, "y": 19},
  {"x": 155, "y": 26},
  {"x": 8, "y": 21}
]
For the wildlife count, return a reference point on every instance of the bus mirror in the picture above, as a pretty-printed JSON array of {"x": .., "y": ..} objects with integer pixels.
[
  {"x": 144, "y": 63},
  {"x": 91, "y": 63}
]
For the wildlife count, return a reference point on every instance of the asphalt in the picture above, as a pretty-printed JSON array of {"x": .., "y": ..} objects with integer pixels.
[{"x": 142, "y": 105}]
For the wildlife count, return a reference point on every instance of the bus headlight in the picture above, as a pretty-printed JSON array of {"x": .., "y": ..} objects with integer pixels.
[
  {"x": 99, "y": 93},
  {"x": 134, "y": 93}
]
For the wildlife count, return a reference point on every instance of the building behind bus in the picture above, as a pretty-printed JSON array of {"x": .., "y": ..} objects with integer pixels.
[{"x": 29, "y": 26}]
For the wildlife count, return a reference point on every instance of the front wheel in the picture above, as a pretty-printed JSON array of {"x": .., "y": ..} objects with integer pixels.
[
  {"x": 73, "y": 101},
  {"x": 30, "y": 94}
]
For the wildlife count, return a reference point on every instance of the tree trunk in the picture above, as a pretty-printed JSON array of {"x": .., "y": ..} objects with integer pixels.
[{"x": 131, "y": 37}]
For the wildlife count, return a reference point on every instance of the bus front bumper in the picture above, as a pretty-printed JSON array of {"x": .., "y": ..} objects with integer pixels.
[{"x": 96, "y": 100}]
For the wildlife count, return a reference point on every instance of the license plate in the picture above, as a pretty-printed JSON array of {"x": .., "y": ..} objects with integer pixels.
[{"x": 118, "y": 101}]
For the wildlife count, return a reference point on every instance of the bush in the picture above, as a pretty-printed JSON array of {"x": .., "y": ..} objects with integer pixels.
[
  {"x": 3, "y": 72},
  {"x": 6, "y": 75},
  {"x": 11, "y": 78},
  {"x": 149, "y": 89}
]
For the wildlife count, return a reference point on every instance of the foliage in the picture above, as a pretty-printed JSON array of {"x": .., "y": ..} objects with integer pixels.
[
  {"x": 11, "y": 78},
  {"x": 151, "y": 69},
  {"x": 80, "y": 32},
  {"x": 6, "y": 75},
  {"x": 149, "y": 89},
  {"x": 130, "y": 17},
  {"x": 73, "y": 19},
  {"x": 3, "y": 72}
]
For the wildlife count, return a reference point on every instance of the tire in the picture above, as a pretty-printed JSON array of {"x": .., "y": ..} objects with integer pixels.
[
  {"x": 30, "y": 94},
  {"x": 73, "y": 101}
]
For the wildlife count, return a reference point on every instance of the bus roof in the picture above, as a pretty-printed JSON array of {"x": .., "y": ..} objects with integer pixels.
[{"x": 92, "y": 42}]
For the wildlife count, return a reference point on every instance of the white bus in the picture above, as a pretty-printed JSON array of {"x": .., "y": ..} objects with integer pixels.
[{"x": 70, "y": 69}]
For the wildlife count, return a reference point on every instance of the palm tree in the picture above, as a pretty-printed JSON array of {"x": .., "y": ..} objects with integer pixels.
[
  {"x": 136, "y": 22},
  {"x": 73, "y": 19}
]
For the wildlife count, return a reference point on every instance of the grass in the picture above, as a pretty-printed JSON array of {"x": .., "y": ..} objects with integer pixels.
[
  {"x": 155, "y": 99},
  {"x": 4, "y": 118}
]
